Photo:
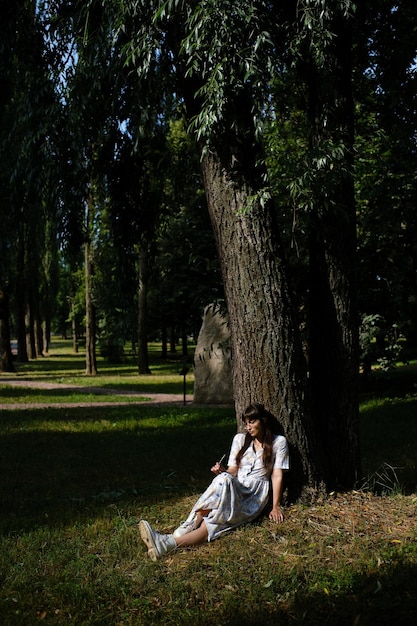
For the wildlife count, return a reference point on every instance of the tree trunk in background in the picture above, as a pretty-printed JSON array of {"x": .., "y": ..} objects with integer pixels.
[
  {"x": 46, "y": 334},
  {"x": 35, "y": 315},
  {"x": 20, "y": 295},
  {"x": 267, "y": 358},
  {"x": 22, "y": 353},
  {"x": 143, "y": 357},
  {"x": 184, "y": 342},
  {"x": 333, "y": 356},
  {"x": 30, "y": 334},
  {"x": 90, "y": 314},
  {"x": 172, "y": 339},
  {"x": 164, "y": 339},
  {"x": 74, "y": 333},
  {"x": 6, "y": 362},
  {"x": 46, "y": 313},
  {"x": 37, "y": 331}
]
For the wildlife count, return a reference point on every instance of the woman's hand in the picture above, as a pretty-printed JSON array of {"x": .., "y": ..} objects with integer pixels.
[
  {"x": 276, "y": 515},
  {"x": 217, "y": 468}
]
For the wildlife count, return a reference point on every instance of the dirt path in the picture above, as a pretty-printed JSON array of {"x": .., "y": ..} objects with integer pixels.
[{"x": 151, "y": 398}]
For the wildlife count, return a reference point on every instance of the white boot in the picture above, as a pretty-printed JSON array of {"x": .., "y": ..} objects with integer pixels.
[{"x": 157, "y": 543}]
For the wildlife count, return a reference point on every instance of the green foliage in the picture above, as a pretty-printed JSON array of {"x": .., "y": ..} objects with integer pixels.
[
  {"x": 385, "y": 163},
  {"x": 316, "y": 19},
  {"x": 237, "y": 55},
  {"x": 186, "y": 275},
  {"x": 227, "y": 45},
  {"x": 222, "y": 45},
  {"x": 379, "y": 342}
]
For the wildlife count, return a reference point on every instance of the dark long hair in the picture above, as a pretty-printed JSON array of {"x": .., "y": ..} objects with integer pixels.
[{"x": 271, "y": 429}]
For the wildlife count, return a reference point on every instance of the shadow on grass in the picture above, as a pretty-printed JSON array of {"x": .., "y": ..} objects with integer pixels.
[
  {"x": 30, "y": 393},
  {"x": 394, "y": 384},
  {"x": 388, "y": 436},
  {"x": 59, "y": 462},
  {"x": 373, "y": 600},
  {"x": 52, "y": 364},
  {"x": 69, "y": 364},
  {"x": 98, "y": 387},
  {"x": 69, "y": 369}
]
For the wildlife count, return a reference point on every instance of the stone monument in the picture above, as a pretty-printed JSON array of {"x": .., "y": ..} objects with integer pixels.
[{"x": 212, "y": 359}]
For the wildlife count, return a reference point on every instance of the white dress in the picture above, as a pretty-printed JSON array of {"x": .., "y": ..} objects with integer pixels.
[{"x": 233, "y": 501}]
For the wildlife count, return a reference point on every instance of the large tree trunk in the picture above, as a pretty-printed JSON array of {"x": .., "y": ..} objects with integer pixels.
[
  {"x": 333, "y": 357},
  {"x": 267, "y": 358}
]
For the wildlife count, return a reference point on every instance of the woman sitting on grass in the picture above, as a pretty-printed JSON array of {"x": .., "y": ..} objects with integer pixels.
[{"x": 236, "y": 495}]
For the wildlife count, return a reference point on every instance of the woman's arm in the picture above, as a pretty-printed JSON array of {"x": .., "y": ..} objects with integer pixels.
[
  {"x": 277, "y": 480},
  {"x": 231, "y": 468}
]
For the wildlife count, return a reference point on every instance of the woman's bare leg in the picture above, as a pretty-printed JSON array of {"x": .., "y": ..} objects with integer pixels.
[{"x": 195, "y": 537}]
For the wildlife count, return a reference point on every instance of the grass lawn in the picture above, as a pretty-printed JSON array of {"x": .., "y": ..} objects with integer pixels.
[{"x": 75, "y": 482}]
